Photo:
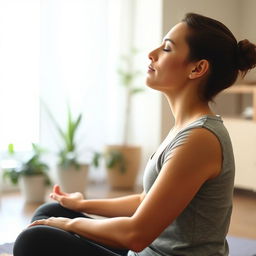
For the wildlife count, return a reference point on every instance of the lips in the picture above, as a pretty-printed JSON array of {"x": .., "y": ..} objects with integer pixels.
[{"x": 150, "y": 68}]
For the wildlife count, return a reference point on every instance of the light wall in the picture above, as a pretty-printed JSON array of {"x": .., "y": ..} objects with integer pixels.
[
  {"x": 237, "y": 15},
  {"x": 247, "y": 25}
]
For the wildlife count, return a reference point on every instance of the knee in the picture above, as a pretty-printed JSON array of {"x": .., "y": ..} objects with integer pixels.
[
  {"x": 47, "y": 210},
  {"x": 31, "y": 241}
]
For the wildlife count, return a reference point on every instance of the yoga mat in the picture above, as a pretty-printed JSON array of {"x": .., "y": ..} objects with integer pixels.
[
  {"x": 241, "y": 246},
  {"x": 237, "y": 247}
]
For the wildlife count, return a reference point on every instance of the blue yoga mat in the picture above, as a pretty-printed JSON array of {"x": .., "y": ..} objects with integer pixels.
[
  {"x": 238, "y": 247},
  {"x": 241, "y": 246},
  {"x": 6, "y": 248}
]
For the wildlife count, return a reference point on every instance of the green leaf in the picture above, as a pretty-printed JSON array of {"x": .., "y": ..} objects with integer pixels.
[
  {"x": 12, "y": 175},
  {"x": 72, "y": 126},
  {"x": 11, "y": 150},
  {"x": 136, "y": 90},
  {"x": 69, "y": 132},
  {"x": 96, "y": 159},
  {"x": 76, "y": 124},
  {"x": 31, "y": 166},
  {"x": 68, "y": 137},
  {"x": 115, "y": 158}
]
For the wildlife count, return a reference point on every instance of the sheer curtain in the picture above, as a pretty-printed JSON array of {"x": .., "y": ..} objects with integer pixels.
[
  {"x": 81, "y": 43},
  {"x": 62, "y": 52},
  {"x": 68, "y": 51},
  {"x": 73, "y": 65},
  {"x": 19, "y": 73}
]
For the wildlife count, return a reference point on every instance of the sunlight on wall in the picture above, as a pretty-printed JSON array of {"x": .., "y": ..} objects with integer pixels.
[{"x": 19, "y": 73}]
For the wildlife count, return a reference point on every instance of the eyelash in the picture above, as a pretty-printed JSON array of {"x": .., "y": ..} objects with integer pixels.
[{"x": 166, "y": 48}]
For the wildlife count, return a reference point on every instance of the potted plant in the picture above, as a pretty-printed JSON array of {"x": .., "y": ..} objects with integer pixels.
[
  {"x": 31, "y": 174},
  {"x": 72, "y": 175},
  {"x": 123, "y": 161}
]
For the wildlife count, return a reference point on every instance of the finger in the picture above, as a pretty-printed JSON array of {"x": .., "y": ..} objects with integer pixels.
[
  {"x": 57, "y": 190},
  {"x": 37, "y": 222},
  {"x": 55, "y": 197}
]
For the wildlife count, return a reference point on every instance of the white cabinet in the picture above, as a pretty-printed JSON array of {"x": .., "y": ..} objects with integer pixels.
[{"x": 243, "y": 134}]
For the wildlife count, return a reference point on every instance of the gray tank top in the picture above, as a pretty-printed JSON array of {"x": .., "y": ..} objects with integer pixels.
[{"x": 201, "y": 229}]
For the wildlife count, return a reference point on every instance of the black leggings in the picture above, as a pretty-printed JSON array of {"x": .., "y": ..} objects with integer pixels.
[{"x": 45, "y": 240}]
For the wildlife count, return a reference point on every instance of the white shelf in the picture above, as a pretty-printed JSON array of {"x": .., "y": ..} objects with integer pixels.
[{"x": 243, "y": 134}]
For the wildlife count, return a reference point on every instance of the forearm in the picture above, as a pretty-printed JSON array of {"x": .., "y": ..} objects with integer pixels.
[
  {"x": 116, "y": 232},
  {"x": 121, "y": 206}
]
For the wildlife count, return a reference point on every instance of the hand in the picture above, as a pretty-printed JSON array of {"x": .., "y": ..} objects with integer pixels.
[
  {"x": 62, "y": 223},
  {"x": 71, "y": 201}
]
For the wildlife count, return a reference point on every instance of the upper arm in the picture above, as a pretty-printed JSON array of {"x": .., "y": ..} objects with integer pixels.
[
  {"x": 142, "y": 196},
  {"x": 190, "y": 165}
]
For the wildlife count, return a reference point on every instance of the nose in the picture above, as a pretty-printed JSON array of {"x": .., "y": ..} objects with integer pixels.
[{"x": 153, "y": 55}]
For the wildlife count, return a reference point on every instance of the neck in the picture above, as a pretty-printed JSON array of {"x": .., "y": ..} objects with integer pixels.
[{"x": 186, "y": 107}]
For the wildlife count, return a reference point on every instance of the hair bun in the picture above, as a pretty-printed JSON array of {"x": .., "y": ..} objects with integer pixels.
[{"x": 246, "y": 55}]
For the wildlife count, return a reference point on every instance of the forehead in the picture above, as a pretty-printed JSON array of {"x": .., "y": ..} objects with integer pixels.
[{"x": 178, "y": 34}]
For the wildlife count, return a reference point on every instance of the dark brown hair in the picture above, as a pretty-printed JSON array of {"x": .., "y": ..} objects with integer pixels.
[{"x": 211, "y": 40}]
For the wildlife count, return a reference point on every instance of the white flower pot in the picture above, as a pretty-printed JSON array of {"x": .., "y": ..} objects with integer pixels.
[
  {"x": 33, "y": 188},
  {"x": 72, "y": 179}
]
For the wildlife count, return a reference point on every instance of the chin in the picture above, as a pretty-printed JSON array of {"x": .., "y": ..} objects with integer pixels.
[
  {"x": 153, "y": 85},
  {"x": 150, "y": 83}
]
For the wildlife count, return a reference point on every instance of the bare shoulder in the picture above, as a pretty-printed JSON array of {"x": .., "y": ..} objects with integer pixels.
[
  {"x": 202, "y": 150},
  {"x": 204, "y": 139}
]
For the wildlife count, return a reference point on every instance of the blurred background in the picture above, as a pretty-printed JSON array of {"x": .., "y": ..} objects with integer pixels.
[{"x": 57, "y": 55}]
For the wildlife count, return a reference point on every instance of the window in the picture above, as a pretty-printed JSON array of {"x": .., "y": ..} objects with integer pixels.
[
  {"x": 54, "y": 50},
  {"x": 19, "y": 73},
  {"x": 61, "y": 51}
]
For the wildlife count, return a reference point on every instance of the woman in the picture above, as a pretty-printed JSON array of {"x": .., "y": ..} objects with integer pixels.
[{"x": 186, "y": 205}]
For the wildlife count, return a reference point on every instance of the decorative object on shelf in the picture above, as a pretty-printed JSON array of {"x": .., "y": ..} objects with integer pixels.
[
  {"x": 248, "y": 113},
  {"x": 72, "y": 175},
  {"x": 244, "y": 89},
  {"x": 30, "y": 173},
  {"x": 123, "y": 161}
]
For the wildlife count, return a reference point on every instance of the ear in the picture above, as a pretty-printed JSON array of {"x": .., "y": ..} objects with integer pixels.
[{"x": 199, "y": 69}]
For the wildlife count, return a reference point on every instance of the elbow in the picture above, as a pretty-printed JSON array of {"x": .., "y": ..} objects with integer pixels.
[
  {"x": 138, "y": 237},
  {"x": 137, "y": 242},
  {"x": 137, "y": 247}
]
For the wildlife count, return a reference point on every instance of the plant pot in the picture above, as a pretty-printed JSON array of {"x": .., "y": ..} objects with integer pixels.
[
  {"x": 33, "y": 188},
  {"x": 72, "y": 179},
  {"x": 126, "y": 179}
]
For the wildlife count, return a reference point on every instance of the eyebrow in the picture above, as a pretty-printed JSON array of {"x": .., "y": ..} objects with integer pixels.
[{"x": 170, "y": 40}]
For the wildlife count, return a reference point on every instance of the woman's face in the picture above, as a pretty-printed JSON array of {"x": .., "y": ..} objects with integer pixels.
[{"x": 169, "y": 66}]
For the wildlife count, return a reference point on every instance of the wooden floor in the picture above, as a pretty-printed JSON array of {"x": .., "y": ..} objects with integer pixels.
[{"x": 15, "y": 215}]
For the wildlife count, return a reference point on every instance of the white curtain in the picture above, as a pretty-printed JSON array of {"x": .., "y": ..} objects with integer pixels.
[
  {"x": 19, "y": 73},
  {"x": 68, "y": 51},
  {"x": 81, "y": 44},
  {"x": 73, "y": 66}
]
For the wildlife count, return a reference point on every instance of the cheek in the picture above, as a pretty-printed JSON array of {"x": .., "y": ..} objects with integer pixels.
[
  {"x": 169, "y": 72},
  {"x": 174, "y": 70},
  {"x": 176, "y": 64}
]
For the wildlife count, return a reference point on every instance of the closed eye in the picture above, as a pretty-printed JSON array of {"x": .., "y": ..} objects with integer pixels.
[{"x": 167, "y": 46}]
